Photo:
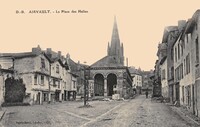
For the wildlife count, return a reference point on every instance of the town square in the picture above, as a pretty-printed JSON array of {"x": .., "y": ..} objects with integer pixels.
[{"x": 100, "y": 66}]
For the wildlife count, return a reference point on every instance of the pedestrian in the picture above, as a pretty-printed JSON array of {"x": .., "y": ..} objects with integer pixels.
[{"x": 146, "y": 93}]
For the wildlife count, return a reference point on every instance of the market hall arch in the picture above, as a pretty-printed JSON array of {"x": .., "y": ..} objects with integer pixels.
[
  {"x": 111, "y": 82},
  {"x": 99, "y": 85}
]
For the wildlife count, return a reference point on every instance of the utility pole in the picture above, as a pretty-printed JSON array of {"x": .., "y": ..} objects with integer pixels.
[
  {"x": 86, "y": 78},
  {"x": 49, "y": 100}
]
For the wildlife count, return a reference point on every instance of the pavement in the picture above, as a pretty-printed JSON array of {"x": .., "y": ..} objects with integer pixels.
[
  {"x": 141, "y": 112},
  {"x": 186, "y": 114},
  {"x": 137, "y": 112},
  {"x": 66, "y": 114}
]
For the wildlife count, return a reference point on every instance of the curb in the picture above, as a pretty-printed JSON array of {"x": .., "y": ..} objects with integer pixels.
[
  {"x": 189, "y": 117},
  {"x": 183, "y": 114}
]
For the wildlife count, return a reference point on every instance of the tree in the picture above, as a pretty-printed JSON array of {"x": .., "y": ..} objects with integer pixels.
[{"x": 14, "y": 90}]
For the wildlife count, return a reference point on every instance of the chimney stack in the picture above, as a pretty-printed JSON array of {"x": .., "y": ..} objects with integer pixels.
[
  {"x": 181, "y": 25},
  {"x": 36, "y": 50},
  {"x": 67, "y": 56},
  {"x": 127, "y": 62},
  {"x": 59, "y": 54},
  {"x": 49, "y": 52}
]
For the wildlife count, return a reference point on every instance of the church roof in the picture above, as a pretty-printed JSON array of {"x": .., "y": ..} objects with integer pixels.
[
  {"x": 107, "y": 61},
  {"x": 115, "y": 56}
]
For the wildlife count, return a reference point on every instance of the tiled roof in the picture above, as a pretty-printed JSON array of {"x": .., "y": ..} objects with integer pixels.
[
  {"x": 167, "y": 30},
  {"x": 107, "y": 61},
  {"x": 134, "y": 71},
  {"x": 18, "y": 55},
  {"x": 191, "y": 23}
]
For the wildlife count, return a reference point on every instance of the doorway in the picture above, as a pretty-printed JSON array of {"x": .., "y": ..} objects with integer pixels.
[
  {"x": 111, "y": 81},
  {"x": 99, "y": 85}
]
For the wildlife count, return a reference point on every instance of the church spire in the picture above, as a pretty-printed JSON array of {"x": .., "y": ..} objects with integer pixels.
[
  {"x": 108, "y": 49},
  {"x": 114, "y": 48},
  {"x": 115, "y": 41},
  {"x": 122, "y": 50}
]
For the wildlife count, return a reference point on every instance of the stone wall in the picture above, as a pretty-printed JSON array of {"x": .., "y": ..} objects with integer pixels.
[{"x": 1, "y": 89}]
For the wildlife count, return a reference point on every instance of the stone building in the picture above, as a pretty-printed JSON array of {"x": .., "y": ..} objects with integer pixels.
[
  {"x": 183, "y": 73},
  {"x": 156, "y": 79},
  {"x": 194, "y": 29},
  {"x": 28, "y": 67},
  {"x": 77, "y": 70},
  {"x": 109, "y": 76},
  {"x": 186, "y": 65},
  {"x": 187, "y": 71},
  {"x": 147, "y": 83},
  {"x": 136, "y": 74},
  {"x": 169, "y": 37},
  {"x": 180, "y": 46},
  {"x": 165, "y": 53},
  {"x": 164, "y": 83},
  {"x": 46, "y": 78},
  {"x": 66, "y": 76},
  {"x": 161, "y": 54}
]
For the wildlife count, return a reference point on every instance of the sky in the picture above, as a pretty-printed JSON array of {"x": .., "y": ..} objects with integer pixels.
[{"x": 85, "y": 36}]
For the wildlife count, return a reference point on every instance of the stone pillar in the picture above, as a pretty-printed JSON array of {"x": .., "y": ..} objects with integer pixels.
[
  {"x": 60, "y": 96},
  {"x": 49, "y": 94},
  {"x": 120, "y": 86},
  {"x": 41, "y": 98},
  {"x": 1, "y": 90},
  {"x": 105, "y": 87}
]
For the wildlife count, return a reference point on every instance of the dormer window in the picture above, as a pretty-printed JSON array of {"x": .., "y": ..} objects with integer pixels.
[
  {"x": 57, "y": 68},
  {"x": 35, "y": 79},
  {"x": 42, "y": 63}
]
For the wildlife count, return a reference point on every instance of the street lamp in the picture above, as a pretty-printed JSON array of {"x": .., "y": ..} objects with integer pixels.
[{"x": 86, "y": 78}]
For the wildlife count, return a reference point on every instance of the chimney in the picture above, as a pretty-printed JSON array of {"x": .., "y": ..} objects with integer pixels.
[
  {"x": 67, "y": 56},
  {"x": 49, "y": 52},
  {"x": 59, "y": 54},
  {"x": 181, "y": 25},
  {"x": 127, "y": 62},
  {"x": 36, "y": 50}
]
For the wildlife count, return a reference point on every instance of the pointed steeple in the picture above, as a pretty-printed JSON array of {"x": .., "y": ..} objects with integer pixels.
[
  {"x": 115, "y": 41},
  {"x": 108, "y": 49},
  {"x": 122, "y": 50}
]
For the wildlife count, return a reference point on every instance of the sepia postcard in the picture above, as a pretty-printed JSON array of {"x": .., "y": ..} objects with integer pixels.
[{"x": 73, "y": 63}]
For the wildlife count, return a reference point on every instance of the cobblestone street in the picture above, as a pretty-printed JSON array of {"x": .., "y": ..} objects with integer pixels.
[{"x": 139, "y": 112}]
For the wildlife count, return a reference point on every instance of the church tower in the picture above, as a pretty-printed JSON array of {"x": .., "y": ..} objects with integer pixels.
[{"x": 115, "y": 49}]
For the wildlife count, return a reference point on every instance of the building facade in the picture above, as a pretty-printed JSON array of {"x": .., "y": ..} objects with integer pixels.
[
  {"x": 147, "y": 83},
  {"x": 109, "y": 76},
  {"x": 164, "y": 80},
  {"x": 136, "y": 75},
  {"x": 182, "y": 45},
  {"x": 46, "y": 78}
]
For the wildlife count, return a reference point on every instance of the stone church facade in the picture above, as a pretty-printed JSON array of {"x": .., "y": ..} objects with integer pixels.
[{"x": 109, "y": 76}]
